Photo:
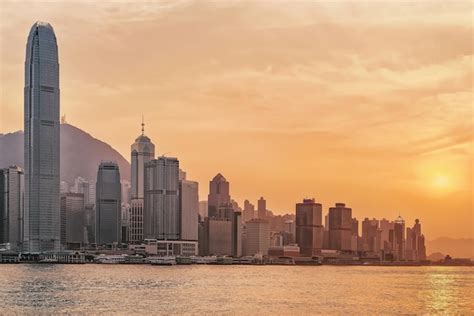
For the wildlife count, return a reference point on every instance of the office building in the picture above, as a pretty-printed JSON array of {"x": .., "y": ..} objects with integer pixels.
[
  {"x": 142, "y": 151},
  {"x": 217, "y": 237},
  {"x": 89, "y": 222},
  {"x": 82, "y": 186},
  {"x": 262, "y": 208},
  {"x": 309, "y": 228},
  {"x": 257, "y": 239},
  {"x": 135, "y": 231},
  {"x": 189, "y": 209},
  {"x": 203, "y": 209},
  {"x": 249, "y": 211},
  {"x": 108, "y": 204},
  {"x": 12, "y": 206},
  {"x": 340, "y": 227},
  {"x": 370, "y": 231},
  {"x": 398, "y": 239},
  {"x": 41, "y": 126},
  {"x": 218, "y": 194},
  {"x": 73, "y": 226},
  {"x": 161, "y": 208}
]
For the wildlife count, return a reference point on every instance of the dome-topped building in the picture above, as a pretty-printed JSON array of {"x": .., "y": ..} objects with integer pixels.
[{"x": 143, "y": 150}]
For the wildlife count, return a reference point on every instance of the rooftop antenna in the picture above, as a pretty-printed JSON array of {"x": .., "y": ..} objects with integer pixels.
[{"x": 143, "y": 125}]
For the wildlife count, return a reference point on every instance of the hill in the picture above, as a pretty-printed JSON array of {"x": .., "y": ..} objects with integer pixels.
[
  {"x": 456, "y": 248},
  {"x": 81, "y": 153}
]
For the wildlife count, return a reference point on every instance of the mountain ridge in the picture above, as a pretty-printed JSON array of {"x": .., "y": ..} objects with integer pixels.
[{"x": 81, "y": 153}]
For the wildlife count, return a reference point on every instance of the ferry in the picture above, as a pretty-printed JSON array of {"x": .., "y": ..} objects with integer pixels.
[
  {"x": 162, "y": 261},
  {"x": 110, "y": 259},
  {"x": 204, "y": 260}
]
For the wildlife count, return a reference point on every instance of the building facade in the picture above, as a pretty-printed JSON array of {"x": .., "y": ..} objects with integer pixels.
[
  {"x": 73, "y": 226},
  {"x": 309, "y": 228},
  {"x": 41, "y": 118},
  {"x": 218, "y": 194},
  {"x": 189, "y": 209},
  {"x": 257, "y": 240},
  {"x": 161, "y": 207},
  {"x": 262, "y": 208},
  {"x": 108, "y": 204},
  {"x": 12, "y": 188},
  {"x": 340, "y": 227}
]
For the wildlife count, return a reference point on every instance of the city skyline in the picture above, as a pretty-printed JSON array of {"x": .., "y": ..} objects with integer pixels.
[{"x": 435, "y": 174}]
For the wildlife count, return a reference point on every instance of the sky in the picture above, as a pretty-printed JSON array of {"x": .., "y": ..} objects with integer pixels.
[{"x": 369, "y": 103}]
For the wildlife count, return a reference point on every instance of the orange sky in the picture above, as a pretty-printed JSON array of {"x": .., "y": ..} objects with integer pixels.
[{"x": 367, "y": 103}]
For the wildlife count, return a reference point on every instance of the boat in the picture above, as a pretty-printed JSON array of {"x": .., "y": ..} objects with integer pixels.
[
  {"x": 110, "y": 259},
  {"x": 183, "y": 260},
  {"x": 162, "y": 261}
]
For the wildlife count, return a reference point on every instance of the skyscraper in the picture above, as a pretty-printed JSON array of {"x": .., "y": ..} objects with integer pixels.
[
  {"x": 370, "y": 229},
  {"x": 142, "y": 151},
  {"x": 398, "y": 240},
  {"x": 108, "y": 206},
  {"x": 218, "y": 194},
  {"x": 73, "y": 228},
  {"x": 249, "y": 211},
  {"x": 340, "y": 227},
  {"x": 189, "y": 209},
  {"x": 42, "y": 214},
  {"x": 161, "y": 208},
  {"x": 261, "y": 208},
  {"x": 309, "y": 228},
  {"x": 11, "y": 206}
]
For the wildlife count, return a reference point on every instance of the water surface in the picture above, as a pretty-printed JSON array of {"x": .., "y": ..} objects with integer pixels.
[{"x": 125, "y": 289}]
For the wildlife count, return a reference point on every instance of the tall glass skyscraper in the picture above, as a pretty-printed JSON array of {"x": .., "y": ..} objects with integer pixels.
[
  {"x": 108, "y": 218},
  {"x": 42, "y": 212}
]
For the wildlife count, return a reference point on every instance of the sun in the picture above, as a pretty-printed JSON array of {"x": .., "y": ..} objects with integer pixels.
[{"x": 441, "y": 181}]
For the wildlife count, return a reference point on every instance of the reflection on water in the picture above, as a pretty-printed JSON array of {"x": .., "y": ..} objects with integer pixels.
[{"x": 234, "y": 289}]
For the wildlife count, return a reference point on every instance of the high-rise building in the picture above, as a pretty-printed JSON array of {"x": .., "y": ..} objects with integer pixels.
[
  {"x": 309, "y": 228},
  {"x": 257, "y": 239},
  {"x": 415, "y": 243},
  {"x": 108, "y": 204},
  {"x": 249, "y": 211},
  {"x": 340, "y": 227},
  {"x": 73, "y": 228},
  {"x": 203, "y": 209},
  {"x": 398, "y": 239},
  {"x": 11, "y": 206},
  {"x": 217, "y": 237},
  {"x": 89, "y": 222},
  {"x": 189, "y": 209},
  {"x": 262, "y": 208},
  {"x": 143, "y": 150},
  {"x": 161, "y": 208},
  {"x": 370, "y": 229},
  {"x": 42, "y": 214},
  {"x": 82, "y": 186},
  {"x": 63, "y": 187},
  {"x": 218, "y": 194},
  {"x": 135, "y": 231}
]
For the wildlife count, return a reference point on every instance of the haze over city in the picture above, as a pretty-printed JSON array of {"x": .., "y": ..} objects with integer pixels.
[{"x": 364, "y": 103}]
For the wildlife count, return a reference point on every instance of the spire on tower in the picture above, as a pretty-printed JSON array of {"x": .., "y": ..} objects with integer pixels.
[{"x": 143, "y": 125}]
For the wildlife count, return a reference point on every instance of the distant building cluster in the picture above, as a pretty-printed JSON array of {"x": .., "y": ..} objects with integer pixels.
[{"x": 158, "y": 212}]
